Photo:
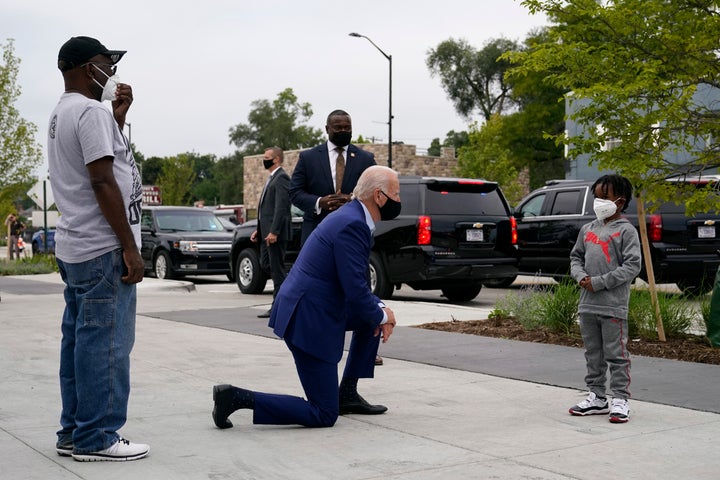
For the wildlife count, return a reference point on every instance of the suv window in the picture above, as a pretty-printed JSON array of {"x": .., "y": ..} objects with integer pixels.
[
  {"x": 533, "y": 207},
  {"x": 567, "y": 203},
  {"x": 189, "y": 222},
  {"x": 471, "y": 198}
]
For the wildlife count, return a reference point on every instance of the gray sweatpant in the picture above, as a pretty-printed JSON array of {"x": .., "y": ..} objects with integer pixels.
[{"x": 606, "y": 346}]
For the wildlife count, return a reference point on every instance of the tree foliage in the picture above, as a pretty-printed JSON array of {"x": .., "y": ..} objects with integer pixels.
[
  {"x": 176, "y": 178},
  {"x": 636, "y": 72},
  {"x": 484, "y": 156},
  {"x": 473, "y": 79},
  {"x": 452, "y": 139},
  {"x": 278, "y": 123},
  {"x": 230, "y": 183},
  {"x": 19, "y": 151}
]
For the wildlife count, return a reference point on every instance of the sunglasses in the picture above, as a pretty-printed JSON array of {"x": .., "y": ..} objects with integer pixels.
[{"x": 113, "y": 68}]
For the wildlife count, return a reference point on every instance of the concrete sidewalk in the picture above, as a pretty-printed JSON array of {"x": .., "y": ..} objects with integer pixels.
[{"x": 448, "y": 418}]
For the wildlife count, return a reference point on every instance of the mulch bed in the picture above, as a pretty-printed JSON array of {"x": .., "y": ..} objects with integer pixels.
[{"x": 690, "y": 348}]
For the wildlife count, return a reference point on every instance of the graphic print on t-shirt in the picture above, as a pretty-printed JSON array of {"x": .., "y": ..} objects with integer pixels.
[{"x": 604, "y": 244}]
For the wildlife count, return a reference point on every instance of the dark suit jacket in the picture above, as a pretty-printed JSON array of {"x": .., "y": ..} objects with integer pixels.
[
  {"x": 274, "y": 208},
  {"x": 327, "y": 287},
  {"x": 312, "y": 178}
]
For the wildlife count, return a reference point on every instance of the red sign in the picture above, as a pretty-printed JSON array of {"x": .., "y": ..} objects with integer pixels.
[{"x": 151, "y": 195}]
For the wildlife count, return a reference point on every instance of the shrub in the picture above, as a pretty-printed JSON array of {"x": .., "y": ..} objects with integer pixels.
[
  {"x": 677, "y": 313},
  {"x": 29, "y": 265},
  {"x": 551, "y": 307},
  {"x": 523, "y": 305},
  {"x": 559, "y": 306}
]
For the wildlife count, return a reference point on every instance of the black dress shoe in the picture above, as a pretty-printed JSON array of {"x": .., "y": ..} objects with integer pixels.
[
  {"x": 360, "y": 406},
  {"x": 223, "y": 398},
  {"x": 264, "y": 314}
]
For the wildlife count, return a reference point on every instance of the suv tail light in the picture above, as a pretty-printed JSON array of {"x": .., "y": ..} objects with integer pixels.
[
  {"x": 655, "y": 228},
  {"x": 513, "y": 231},
  {"x": 424, "y": 230}
]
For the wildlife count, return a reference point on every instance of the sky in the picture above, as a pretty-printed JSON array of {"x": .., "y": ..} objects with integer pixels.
[{"x": 196, "y": 66}]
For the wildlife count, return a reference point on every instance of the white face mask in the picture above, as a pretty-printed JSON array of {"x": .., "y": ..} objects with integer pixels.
[
  {"x": 604, "y": 208},
  {"x": 110, "y": 88}
]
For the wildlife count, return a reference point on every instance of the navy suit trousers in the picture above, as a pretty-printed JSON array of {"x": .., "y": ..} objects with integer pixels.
[{"x": 319, "y": 380}]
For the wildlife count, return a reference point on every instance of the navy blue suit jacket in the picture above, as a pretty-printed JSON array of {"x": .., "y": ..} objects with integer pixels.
[
  {"x": 327, "y": 288},
  {"x": 312, "y": 179}
]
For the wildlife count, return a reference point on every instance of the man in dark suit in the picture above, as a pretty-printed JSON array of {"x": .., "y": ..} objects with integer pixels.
[
  {"x": 314, "y": 187},
  {"x": 326, "y": 294},
  {"x": 273, "y": 220}
]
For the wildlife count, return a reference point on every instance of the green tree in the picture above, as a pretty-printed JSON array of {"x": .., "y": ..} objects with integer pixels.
[
  {"x": 279, "y": 123},
  {"x": 151, "y": 169},
  {"x": 176, "y": 178},
  {"x": 19, "y": 151},
  {"x": 434, "y": 148},
  {"x": 634, "y": 68},
  {"x": 230, "y": 183},
  {"x": 485, "y": 157},
  {"x": 473, "y": 79},
  {"x": 529, "y": 133},
  {"x": 452, "y": 139}
]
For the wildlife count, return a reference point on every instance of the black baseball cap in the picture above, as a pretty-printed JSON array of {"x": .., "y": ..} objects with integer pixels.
[{"x": 79, "y": 50}]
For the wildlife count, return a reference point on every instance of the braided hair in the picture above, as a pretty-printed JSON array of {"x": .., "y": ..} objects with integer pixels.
[{"x": 621, "y": 187}]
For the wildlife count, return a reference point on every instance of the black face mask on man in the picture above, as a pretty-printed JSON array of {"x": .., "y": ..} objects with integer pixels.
[
  {"x": 268, "y": 163},
  {"x": 391, "y": 209},
  {"x": 340, "y": 139}
]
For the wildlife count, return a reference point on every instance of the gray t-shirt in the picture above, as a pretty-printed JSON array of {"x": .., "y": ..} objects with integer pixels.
[{"x": 81, "y": 131}]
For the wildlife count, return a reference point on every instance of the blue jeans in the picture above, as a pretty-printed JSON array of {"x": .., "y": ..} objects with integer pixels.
[{"x": 98, "y": 333}]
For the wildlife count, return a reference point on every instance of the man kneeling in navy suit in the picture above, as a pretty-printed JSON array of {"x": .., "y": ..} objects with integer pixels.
[{"x": 326, "y": 294}]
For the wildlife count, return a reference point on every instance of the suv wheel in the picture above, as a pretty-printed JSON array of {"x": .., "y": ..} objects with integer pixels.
[
  {"x": 463, "y": 293},
  {"x": 499, "y": 282},
  {"x": 249, "y": 276},
  {"x": 163, "y": 266},
  {"x": 379, "y": 283}
]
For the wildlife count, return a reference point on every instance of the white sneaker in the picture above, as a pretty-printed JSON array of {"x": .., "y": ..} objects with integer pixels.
[
  {"x": 120, "y": 451},
  {"x": 592, "y": 405},
  {"x": 620, "y": 411}
]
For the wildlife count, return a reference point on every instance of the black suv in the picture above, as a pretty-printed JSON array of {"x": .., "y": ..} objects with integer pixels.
[
  {"x": 179, "y": 241},
  {"x": 684, "y": 249},
  {"x": 452, "y": 234}
]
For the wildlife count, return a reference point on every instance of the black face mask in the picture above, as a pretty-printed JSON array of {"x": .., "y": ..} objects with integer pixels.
[
  {"x": 391, "y": 209},
  {"x": 268, "y": 163},
  {"x": 340, "y": 139}
]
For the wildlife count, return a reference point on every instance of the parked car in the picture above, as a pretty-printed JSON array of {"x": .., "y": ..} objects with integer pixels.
[
  {"x": 179, "y": 241},
  {"x": 38, "y": 245},
  {"x": 452, "y": 234},
  {"x": 684, "y": 249}
]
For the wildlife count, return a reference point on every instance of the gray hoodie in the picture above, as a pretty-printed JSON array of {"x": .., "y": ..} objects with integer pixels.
[{"x": 610, "y": 255}]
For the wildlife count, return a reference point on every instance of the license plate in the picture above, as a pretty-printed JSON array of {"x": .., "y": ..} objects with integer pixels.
[
  {"x": 706, "y": 232},
  {"x": 474, "y": 235}
]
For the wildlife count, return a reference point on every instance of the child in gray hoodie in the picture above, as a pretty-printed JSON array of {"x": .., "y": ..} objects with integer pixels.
[{"x": 605, "y": 260}]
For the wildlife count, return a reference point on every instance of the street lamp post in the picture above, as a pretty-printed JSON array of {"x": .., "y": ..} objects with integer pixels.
[{"x": 390, "y": 115}]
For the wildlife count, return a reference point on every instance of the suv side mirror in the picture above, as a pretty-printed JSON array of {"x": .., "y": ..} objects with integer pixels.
[{"x": 517, "y": 214}]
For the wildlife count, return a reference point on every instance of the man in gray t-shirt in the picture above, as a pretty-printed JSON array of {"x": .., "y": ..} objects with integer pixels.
[{"x": 98, "y": 192}]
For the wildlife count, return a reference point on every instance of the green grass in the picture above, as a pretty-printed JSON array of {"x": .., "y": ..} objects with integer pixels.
[
  {"x": 549, "y": 306},
  {"x": 554, "y": 307},
  {"x": 677, "y": 312},
  {"x": 29, "y": 266}
]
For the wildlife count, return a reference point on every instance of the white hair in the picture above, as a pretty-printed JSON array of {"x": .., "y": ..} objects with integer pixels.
[{"x": 373, "y": 178}]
